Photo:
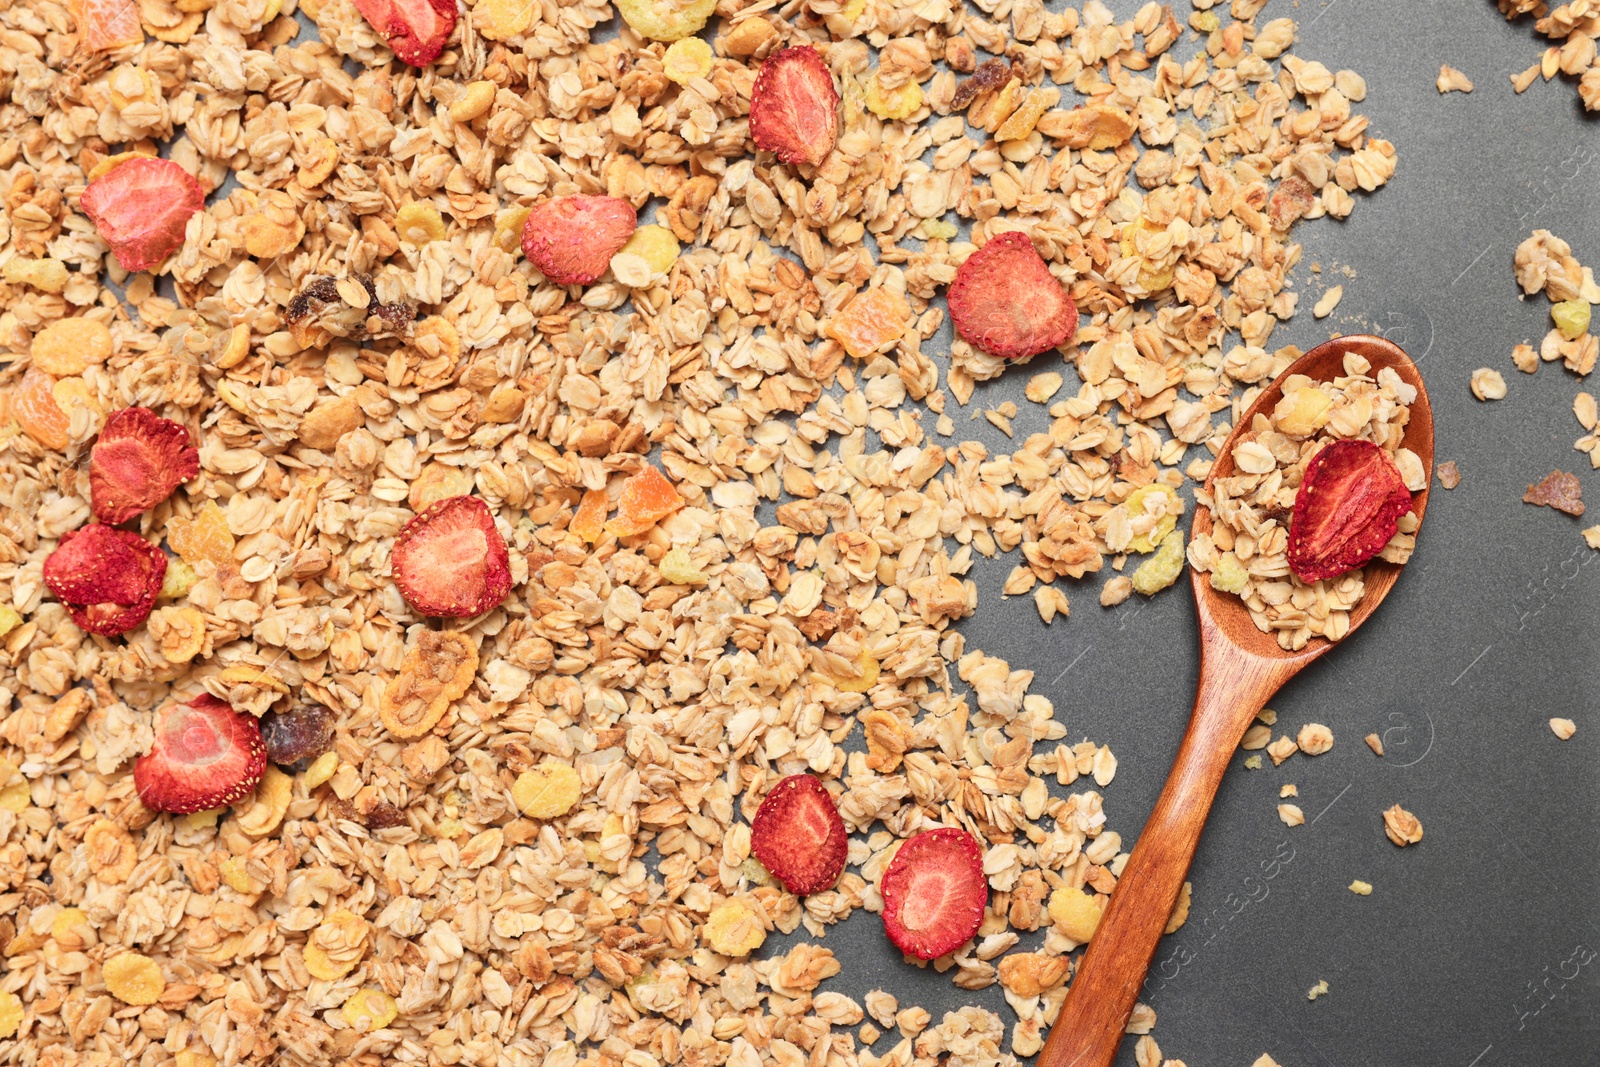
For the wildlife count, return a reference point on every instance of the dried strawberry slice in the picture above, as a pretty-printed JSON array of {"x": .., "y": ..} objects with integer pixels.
[
  {"x": 794, "y": 108},
  {"x": 934, "y": 893},
  {"x": 571, "y": 239},
  {"x": 107, "y": 578},
  {"x": 136, "y": 463},
  {"x": 205, "y": 755},
  {"x": 798, "y": 836},
  {"x": 416, "y": 30},
  {"x": 1346, "y": 509},
  {"x": 141, "y": 208},
  {"x": 451, "y": 561},
  {"x": 1006, "y": 301}
]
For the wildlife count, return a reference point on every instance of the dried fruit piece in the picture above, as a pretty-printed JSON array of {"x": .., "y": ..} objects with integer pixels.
[
  {"x": 368, "y": 1010},
  {"x": 46, "y": 275},
  {"x": 141, "y": 208},
  {"x": 589, "y": 521},
  {"x": 415, "y": 29},
  {"x": 437, "y": 670},
  {"x": 451, "y": 560},
  {"x": 686, "y": 60},
  {"x": 1559, "y": 490},
  {"x": 798, "y": 836},
  {"x": 204, "y": 537},
  {"x": 934, "y": 893},
  {"x": 794, "y": 107},
  {"x": 133, "y": 978},
  {"x": 548, "y": 790},
  {"x": 647, "y": 498},
  {"x": 321, "y": 769},
  {"x": 107, "y": 578},
  {"x": 1346, "y": 509},
  {"x": 1570, "y": 316},
  {"x": 871, "y": 320},
  {"x": 205, "y": 755},
  {"x": 1005, "y": 300},
  {"x": 336, "y": 945},
  {"x": 136, "y": 463},
  {"x": 1161, "y": 569},
  {"x": 571, "y": 239},
  {"x": 104, "y": 25},
  {"x": 1228, "y": 575},
  {"x": 666, "y": 20},
  {"x": 990, "y": 75},
  {"x": 33, "y": 405},
  {"x": 324, "y": 307},
  {"x": 70, "y": 346},
  {"x": 501, "y": 20},
  {"x": 1076, "y": 913},
  {"x": 300, "y": 733},
  {"x": 734, "y": 929},
  {"x": 677, "y": 568},
  {"x": 1302, "y": 412}
]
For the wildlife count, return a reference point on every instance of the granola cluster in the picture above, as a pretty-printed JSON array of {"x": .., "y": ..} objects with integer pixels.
[{"x": 736, "y": 523}]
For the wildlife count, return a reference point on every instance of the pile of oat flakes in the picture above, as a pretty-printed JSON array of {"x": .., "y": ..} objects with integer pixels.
[{"x": 1166, "y": 206}]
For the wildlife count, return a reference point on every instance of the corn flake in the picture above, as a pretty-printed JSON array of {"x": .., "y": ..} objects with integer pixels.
[
  {"x": 547, "y": 791},
  {"x": 133, "y": 979}
]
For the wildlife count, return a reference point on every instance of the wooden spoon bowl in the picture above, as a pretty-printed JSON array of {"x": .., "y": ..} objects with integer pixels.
[{"x": 1240, "y": 669}]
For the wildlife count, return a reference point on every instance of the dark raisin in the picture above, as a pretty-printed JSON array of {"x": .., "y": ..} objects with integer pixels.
[
  {"x": 298, "y": 734},
  {"x": 383, "y": 815}
]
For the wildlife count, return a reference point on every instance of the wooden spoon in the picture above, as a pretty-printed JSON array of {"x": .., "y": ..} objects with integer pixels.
[{"x": 1240, "y": 669}]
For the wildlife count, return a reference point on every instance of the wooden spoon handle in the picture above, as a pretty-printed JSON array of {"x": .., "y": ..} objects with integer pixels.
[{"x": 1103, "y": 993}]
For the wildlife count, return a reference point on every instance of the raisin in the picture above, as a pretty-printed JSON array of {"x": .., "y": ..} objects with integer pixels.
[{"x": 301, "y": 733}]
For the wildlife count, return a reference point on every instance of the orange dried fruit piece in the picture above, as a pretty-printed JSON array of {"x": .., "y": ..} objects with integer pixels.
[
  {"x": 589, "y": 521},
  {"x": 438, "y": 669},
  {"x": 869, "y": 321},
  {"x": 133, "y": 978},
  {"x": 69, "y": 346},
  {"x": 104, "y": 25},
  {"x": 33, "y": 405},
  {"x": 137, "y": 462},
  {"x": 1346, "y": 509},
  {"x": 141, "y": 208},
  {"x": 204, "y": 537},
  {"x": 647, "y": 498}
]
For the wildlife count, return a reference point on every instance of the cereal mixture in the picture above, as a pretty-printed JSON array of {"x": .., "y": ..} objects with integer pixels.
[
  {"x": 688, "y": 410},
  {"x": 1249, "y": 550},
  {"x": 1574, "y": 28}
]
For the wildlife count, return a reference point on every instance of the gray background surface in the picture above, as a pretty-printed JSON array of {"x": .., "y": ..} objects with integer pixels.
[{"x": 1477, "y": 947}]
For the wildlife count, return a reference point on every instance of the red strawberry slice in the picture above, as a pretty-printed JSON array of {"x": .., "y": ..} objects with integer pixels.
[
  {"x": 205, "y": 755},
  {"x": 136, "y": 463},
  {"x": 571, "y": 239},
  {"x": 107, "y": 578},
  {"x": 794, "y": 108},
  {"x": 1347, "y": 507},
  {"x": 416, "y": 30},
  {"x": 451, "y": 561},
  {"x": 934, "y": 893},
  {"x": 798, "y": 836},
  {"x": 140, "y": 207},
  {"x": 1005, "y": 300}
]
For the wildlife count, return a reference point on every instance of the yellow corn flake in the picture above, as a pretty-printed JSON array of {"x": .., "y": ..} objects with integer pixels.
[
  {"x": 368, "y": 1010},
  {"x": 236, "y": 877},
  {"x": 271, "y": 802},
  {"x": 45, "y": 275},
  {"x": 500, "y": 20},
  {"x": 1076, "y": 913},
  {"x": 938, "y": 230},
  {"x": 475, "y": 102},
  {"x": 438, "y": 481},
  {"x": 10, "y": 619},
  {"x": 185, "y": 29},
  {"x": 1229, "y": 575},
  {"x": 10, "y": 1014},
  {"x": 1140, "y": 508},
  {"x": 1151, "y": 278},
  {"x": 418, "y": 223},
  {"x": 178, "y": 580},
  {"x": 1302, "y": 412},
  {"x": 320, "y": 157},
  {"x": 133, "y": 978},
  {"x": 508, "y": 229},
  {"x": 654, "y": 244},
  {"x": 666, "y": 20},
  {"x": 180, "y": 632},
  {"x": 16, "y": 796},
  {"x": 69, "y": 393},
  {"x": 862, "y": 681},
  {"x": 202, "y": 820},
  {"x": 1161, "y": 569},
  {"x": 899, "y": 103},
  {"x": 1571, "y": 318},
  {"x": 67, "y": 924},
  {"x": 852, "y": 11},
  {"x": 192, "y": 1058},
  {"x": 677, "y": 568},
  {"x": 687, "y": 60},
  {"x": 734, "y": 929},
  {"x": 547, "y": 791},
  {"x": 260, "y": 677},
  {"x": 336, "y": 945},
  {"x": 1205, "y": 21},
  {"x": 321, "y": 769}
]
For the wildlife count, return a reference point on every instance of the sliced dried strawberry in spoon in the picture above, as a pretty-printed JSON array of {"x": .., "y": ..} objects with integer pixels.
[{"x": 1346, "y": 509}]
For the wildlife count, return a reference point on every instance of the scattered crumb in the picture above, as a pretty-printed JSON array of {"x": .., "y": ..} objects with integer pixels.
[
  {"x": 1317, "y": 990},
  {"x": 1282, "y": 749},
  {"x": 1253, "y": 763},
  {"x": 1563, "y": 728},
  {"x": 1268, "y": 716},
  {"x": 1452, "y": 80},
  {"x": 1360, "y": 888},
  {"x": 1488, "y": 384},
  {"x": 1402, "y": 827},
  {"x": 944, "y": 426},
  {"x": 1291, "y": 815},
  {"x": 1000, "y": 422},
  {"x": 1256, "y": 737},
  {"x": 1449, "y": 474},
  {"x": 1041, "y": 387},
  {"x": 1265, "y": 1061},
  {"x": 1289, "y": 789},
  {"x": 1559, "y": 490},
  {"x": 1314, "y": 739},
  {"x": 1520, "y": 82},
  {"x": 1525, "y": 358},
  {"x": 1375, "y": 743},
  {"x": 1591, "y": 537},
  {"x": 1328, "y": 301}
]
